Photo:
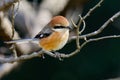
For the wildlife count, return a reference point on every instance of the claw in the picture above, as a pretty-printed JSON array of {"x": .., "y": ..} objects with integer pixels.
[
  {"x": 43, "y": 56},
  {"x": 58, "y": 55}
]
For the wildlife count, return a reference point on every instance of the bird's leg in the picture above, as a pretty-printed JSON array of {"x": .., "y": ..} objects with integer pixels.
[
  {"x": 57, "y": 55},
  {"x": 42, "y": 55}
]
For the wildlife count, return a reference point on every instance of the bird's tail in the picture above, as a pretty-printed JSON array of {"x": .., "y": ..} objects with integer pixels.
[{"x": 20, "y": 41}]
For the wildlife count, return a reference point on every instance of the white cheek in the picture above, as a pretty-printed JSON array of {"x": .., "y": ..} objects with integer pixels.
[{"x": 61, "y": 30}]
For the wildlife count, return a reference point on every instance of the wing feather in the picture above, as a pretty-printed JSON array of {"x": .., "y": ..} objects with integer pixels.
[{"x": 45, "y": 32}]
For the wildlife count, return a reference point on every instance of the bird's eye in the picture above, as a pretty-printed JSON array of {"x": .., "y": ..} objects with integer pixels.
[{"x": 58, "y": 27}]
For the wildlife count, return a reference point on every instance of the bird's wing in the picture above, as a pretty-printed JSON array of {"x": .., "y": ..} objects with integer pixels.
[{"x": 45, "y": 32}]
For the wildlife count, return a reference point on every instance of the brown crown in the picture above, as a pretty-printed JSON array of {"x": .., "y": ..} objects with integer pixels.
[{"x": 59, "y": 21}]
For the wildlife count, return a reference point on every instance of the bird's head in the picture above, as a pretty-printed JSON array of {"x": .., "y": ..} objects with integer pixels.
[{"x": 59, "y": 23}]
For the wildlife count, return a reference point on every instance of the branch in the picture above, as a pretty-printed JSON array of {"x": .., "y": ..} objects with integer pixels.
[
  {"x": 103, "y": 26},
  {"x": 75, "y": 52},
  {"x": 84, "y": 25},
  {"x": 5, "y": 4},
  {"x": 78, "y": 37},
  {"x": 100, "y": 38},
  {"x": 100, "y": 29},
  {"x": 21, "y": 58},
  {"x": 92, "y": 9},
  {"x": 57, "y": 55},
  {"x": 13, "y": 19}
]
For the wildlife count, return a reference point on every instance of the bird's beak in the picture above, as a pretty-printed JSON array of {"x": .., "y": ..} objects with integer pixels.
[{"x": 70, "y": 28}]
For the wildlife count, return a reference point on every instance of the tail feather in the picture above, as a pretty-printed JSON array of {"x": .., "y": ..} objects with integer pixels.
[{"x": 20, "y": 41}]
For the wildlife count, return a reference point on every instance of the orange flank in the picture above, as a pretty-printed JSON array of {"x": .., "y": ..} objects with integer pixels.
[{"x": 55, "y": 41}]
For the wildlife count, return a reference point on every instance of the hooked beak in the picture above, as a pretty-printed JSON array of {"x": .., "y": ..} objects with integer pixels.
[{"x": 68, "y": 27}]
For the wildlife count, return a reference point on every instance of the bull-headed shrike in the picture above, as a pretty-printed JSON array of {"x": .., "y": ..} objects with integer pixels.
[{"x": 53, "y": 36}]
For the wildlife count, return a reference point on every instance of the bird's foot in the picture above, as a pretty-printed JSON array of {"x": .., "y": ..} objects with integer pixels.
[{"x": 57, "y": 55}]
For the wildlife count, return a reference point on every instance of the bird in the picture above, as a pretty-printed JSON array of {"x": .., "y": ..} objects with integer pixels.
[{"x": 53, "y": 36}]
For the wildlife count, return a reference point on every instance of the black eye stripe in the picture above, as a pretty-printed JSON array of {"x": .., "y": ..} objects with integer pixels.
[{"x": 58, "y": 27}]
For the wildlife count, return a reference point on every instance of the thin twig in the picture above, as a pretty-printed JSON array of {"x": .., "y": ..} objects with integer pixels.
[
  {"x": 103, "y": 26},
  {"x": 88, "y": 41},
  {"x": 92, "y": 9},
  {"x": 84, "y": 25},
  {"x": 100, "y": 29},
  {"x": 71, "y": 54},
  {"x": 73, "y": 23},
  {"x": 77, "y": 39},
  {"x": 13, "y": 47},
  {"x": 78, "y": 32},
  {"x": 13, "y": 18},
  {"x": 62, "y": 55},
  {"x": 100, "y": 38}
]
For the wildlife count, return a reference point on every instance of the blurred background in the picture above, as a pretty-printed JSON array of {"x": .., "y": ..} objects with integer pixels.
[{"x": 96, "y": 61}]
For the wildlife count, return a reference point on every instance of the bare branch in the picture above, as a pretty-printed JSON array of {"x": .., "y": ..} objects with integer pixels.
[
  {"x": 5, "y": 4},
  {"x": 100, "y": 38},
  {"x": 73, "y": 23},
  {"x": 5, "y": 27},
  {"x": 40, "y": 53},
  {"x": 13, "y": 46},
  {"x": 13, "y": 18},
  {"x": 92, "y": 9},
  {"x": 77, "y": 37},
  {"x": 103, "y": 26},
  {"x": 21, "y": 58},
  {"x": 62, "y": 55},
  {"x": 100, "y": 29},
  {"x": 84, "y": 25},
  {"x": 87, "y": 41}
]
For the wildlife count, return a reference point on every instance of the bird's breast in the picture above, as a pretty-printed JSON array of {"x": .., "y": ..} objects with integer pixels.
[{"x": 55, "y": 41}]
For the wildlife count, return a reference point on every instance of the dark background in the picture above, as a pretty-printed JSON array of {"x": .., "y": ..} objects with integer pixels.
[{"x": 96, "y": 61}]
